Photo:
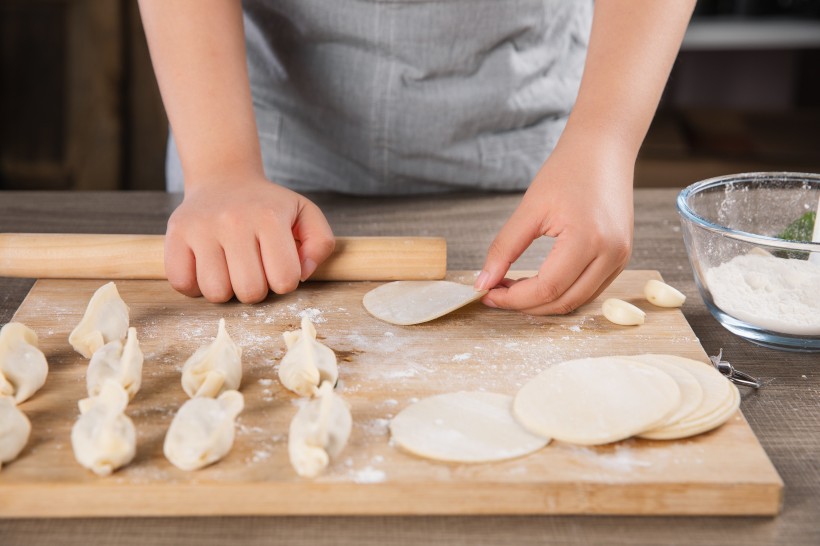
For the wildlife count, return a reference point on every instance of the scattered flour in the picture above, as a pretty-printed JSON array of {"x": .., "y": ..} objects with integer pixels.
[
  {"x": 375, "y": 427},
  {"x": 315, "y": 315},
  {"x": 260, "y": 455},
  {"x": 369, "y": 475},
  {"x": 623, "y": 458},
  {"x": 774, "y": 293}
]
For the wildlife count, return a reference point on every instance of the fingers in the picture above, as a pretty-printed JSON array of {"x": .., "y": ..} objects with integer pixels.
[
  {"x": 180, "y": 266},
  {"x": 245, "y": 269},
  {"x": 316, "y": 239},
  {"x": 513, "y": 239},
  {"x": 592, "y": 281},
  {"x": 261, "y": 237},
  {"x": 279, "y": 257},
  {"x": 604, "y": 285},
  {"x": 562, "y": 268},
  {"x": 565, "y": 281},
  {"x": 245, "y": 266},
  {"x": 212, "y": 272}
]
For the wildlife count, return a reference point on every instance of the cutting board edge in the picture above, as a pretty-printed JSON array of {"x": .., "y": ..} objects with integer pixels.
[{"x": 482, "y": 498}]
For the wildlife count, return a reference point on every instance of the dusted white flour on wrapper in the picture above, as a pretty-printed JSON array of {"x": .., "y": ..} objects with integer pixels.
[
  {"x": 23, "y": 366},
  {"x": 308, "y": 363},
  {"x": 202, "y": 431},
  {"x": 105, "y": 320},
  {"x": 117, "y": 362},
  {"x": 15, "y": 429},
  {"x": 319, "y": 432},
  {"x": 104, "y": 438},
  {"x": 215, "y": 368}
]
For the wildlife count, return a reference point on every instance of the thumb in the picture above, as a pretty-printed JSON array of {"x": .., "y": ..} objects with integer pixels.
[
  {"x": 514, "y": 238},
  {"x": 315, "y": 237}
]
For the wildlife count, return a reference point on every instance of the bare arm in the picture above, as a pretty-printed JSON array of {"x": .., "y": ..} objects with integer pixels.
[
  {"x": 235, "y": 232},
  {"x": 198, "y": 52},
  {"x": 582, "y": 196}
]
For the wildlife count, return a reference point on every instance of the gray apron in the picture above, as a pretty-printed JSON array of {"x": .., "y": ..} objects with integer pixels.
[{"x": 410, "y": 96}]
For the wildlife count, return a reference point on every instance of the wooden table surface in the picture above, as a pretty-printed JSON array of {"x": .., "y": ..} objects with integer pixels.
[{"x": 785, "y": 414}]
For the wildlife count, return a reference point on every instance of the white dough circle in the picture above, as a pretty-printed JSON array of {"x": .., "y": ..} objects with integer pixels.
[
  {"x": 594, "y": 401},
  {"x": 721, "y": 400},
  {"x": 689, "y": 427},
  {"x": 413, "y": 302},
  {"x": 690, "y": 390},
  {"x": 465, "y": 427},
  {"x": 717, "y": 390}
]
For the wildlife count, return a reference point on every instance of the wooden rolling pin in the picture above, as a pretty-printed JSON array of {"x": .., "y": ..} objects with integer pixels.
[{"x": 81, "y": 256}]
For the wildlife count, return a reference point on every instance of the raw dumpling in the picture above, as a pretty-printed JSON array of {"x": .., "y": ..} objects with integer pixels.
[
  {"x": 105, "y": 320},
  {"x": 23, "y": 366},
  {"x": 14, "y": 430},
  {"x": 307, "y": 363},
  {"x": 116, "y": 362},
  {"x": 104, "y": 438},
  {"x": 318, "y": 432},
  {"x": 202, "y": 431},
  {"x": 214, "y": 368}
]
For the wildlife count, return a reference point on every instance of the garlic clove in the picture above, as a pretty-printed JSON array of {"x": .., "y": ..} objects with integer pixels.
[
  {"x": 623, "y": 313},
  {"x": 662, "y": 295}
]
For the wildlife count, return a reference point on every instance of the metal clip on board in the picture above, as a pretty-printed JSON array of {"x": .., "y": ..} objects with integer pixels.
[{"x": 734, "y": 375}]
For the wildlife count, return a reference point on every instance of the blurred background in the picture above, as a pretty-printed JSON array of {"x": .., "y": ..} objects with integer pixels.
[{"x": 80, "y": 108}]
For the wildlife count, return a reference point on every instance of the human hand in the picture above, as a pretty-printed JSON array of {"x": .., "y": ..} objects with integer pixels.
[
  {"x": 582, "y": 196},
  {"x": 243, "y": 239}
]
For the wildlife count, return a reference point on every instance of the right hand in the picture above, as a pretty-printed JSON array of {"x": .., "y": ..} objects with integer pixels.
[{"x": 242, "y": 239}]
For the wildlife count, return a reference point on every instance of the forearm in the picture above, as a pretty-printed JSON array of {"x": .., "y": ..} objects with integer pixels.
[
  {"x": 198, "y": 53},
  {"x": 632, "y": 47}
]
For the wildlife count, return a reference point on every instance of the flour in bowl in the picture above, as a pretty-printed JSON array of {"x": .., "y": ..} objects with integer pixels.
[{"x": 777, "y": 294}]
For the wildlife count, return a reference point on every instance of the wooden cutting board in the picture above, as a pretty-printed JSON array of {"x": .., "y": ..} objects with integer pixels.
[{"x": 383, "y": 368}]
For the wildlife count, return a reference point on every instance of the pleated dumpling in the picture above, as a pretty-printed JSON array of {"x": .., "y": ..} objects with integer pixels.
[
  {"x": 105, "y": 320},
  {"x": 202, "y": 431},
  {"x": 307, "y": 363},
  {"x": 104, "y": 438},
  {"x": 15, "y": 429},
  {"x": 23, "y": 366},
  {"x": 214, "y": 368},
  {"x": 318, "y": 432},
  {"x": 117, "y": 362}
]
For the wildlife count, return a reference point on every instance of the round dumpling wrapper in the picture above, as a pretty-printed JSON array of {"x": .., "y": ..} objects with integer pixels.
[
  {"x": 594, "y": 401},
  {"x": 413, "y": 302},
  {"x": 465, "y": 427}
]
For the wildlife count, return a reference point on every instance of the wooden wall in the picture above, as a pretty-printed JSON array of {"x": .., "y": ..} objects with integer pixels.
[{"x": 78, "y": 99}]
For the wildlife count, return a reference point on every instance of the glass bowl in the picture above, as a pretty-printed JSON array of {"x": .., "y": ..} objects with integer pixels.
[{"x": 758, "y": 285}]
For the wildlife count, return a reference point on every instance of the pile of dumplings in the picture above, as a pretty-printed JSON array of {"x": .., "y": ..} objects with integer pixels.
[
  {"x": 321, "y": 427},
  {"x": 104, "y": 438},
  {"x": 202, "y": 431},
  {"x": 23, "y": 370}
]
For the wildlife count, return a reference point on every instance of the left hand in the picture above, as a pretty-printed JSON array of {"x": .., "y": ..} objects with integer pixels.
[{"x": 582, "y": 197}]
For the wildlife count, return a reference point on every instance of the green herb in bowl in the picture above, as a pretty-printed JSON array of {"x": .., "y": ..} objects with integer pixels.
[{"x": 801, "y": 229}]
